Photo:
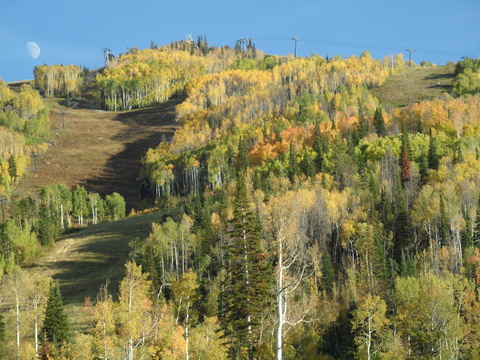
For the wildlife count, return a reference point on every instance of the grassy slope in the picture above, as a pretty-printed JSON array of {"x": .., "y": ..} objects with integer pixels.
[
  {"x": 84, "y": 260},
  {"x": 415, "y": 84},
  {"x": 100, "y": 150}
]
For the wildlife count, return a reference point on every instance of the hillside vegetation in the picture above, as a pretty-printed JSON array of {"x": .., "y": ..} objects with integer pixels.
[
  {"x": 303, "y": 208},
  {"x": 416, "y": 84}
]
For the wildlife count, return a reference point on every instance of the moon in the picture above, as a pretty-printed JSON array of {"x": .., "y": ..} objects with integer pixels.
[{"x": 33, "y": 49}]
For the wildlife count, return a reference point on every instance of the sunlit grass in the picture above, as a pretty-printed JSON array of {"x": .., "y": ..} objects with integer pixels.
[
  {"x": 84, "y": 260},
  {"x": 416, "y": 84}
]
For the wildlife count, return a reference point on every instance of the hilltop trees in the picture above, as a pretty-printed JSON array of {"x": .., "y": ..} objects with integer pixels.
[
  {"x": 467, "y": 77},
  {"x": 24, "y": 127},
  {"x": 58, "y": 80}
]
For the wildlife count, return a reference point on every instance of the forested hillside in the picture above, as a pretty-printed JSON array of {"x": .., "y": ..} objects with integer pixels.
[{"x": 303, "y": 211}]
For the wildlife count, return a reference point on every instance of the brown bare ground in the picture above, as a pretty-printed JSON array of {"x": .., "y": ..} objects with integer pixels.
[{"x": 100, "y": 150}]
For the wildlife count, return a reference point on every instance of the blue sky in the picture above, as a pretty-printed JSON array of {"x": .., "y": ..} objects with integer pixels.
[{"x": 75, "y": 32}]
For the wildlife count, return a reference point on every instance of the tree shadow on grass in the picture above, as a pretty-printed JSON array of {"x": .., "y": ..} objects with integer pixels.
[
  {"x": 83, "y": 261},
  {"x": 146, "y": 129},
  {"x": 444, "y": 81}
]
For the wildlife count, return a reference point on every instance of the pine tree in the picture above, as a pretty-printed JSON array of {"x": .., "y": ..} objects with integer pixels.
[
  {"x": 444, "y": 227},
  {"x": 46, "y": 226},
  {"x": 407, "y": 265},
  {"x": 433, "y": 160},
  {"x": 379, "y": 123},
  {"x": 242, "y": 158},
  {"x": 466, "y": 233},
  {"x": 55, "y": 326},
  {"x": 423, "y": 168},
  {"x": 328, "y": 272},
  {"x": 293, "y": 169},
  {"x": 247, "y": 287},
  {"x": 458, "y": 158},
  {"x": 401, "y": 226},
  {"x": 363, "y": 127},
  {"x": 320, "y": 146},
  {"x": 307, "y": 164}
]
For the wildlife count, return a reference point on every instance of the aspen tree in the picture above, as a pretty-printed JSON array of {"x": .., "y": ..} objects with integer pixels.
[
  {"x": 370, "y": 324},
  {"x": 185, "y": 293},
  {"x": 134, "y": 309},
  {"x": 289, "y": 244}
]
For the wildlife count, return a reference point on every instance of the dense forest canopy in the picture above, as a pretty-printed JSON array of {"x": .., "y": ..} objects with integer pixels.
[{"x": 301, "y": 217}]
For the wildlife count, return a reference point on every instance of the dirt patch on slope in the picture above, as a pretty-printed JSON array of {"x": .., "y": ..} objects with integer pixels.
[{"x": 100, "y": 150}]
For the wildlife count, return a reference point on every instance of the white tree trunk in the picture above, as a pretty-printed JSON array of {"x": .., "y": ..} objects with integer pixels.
[
  {"x": 36, "y": 334},
  {"x": 186, "y": 332},
  {"x": 17, "y": 321},
  {"x": 280, "y": 310}
]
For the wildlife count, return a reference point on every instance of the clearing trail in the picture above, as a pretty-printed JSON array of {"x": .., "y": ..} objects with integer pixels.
[
  {"x": 416, "y": 84},
  {"x": 100, "y": 150}
]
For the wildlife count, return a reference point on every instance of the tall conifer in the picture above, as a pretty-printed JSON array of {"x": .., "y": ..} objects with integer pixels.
[
  {"x": 247, "y": 288},
  {"x": 363, "y": 127},
  {"x": 433, "y": 160},
  {"x": 55, "y": 326},
  {"x": 320, "y": 146},
  {"x": 379, "y": 123}
]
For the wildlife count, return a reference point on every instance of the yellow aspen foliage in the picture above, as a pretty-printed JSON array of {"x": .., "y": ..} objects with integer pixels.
[{"x": 134, "y": 308}]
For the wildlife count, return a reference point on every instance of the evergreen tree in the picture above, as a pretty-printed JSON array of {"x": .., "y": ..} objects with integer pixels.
[
  {"x": 466, "y": 234},
  {"x": 149, "y": 263},
  {"x": 379, "y": 123},
  {"x": 401, "y": 226},
  {"x": 55, "y": 326},
  {"x": 433, "y": 160},
  {"x": 420, "y": 127},
  {"x": 307, "y": 164},
  {"x": 328, "y": 272},
  {"x": 247, "y": 287},
  {"x": 293, "y": 169},
  {"x": 46, "y": 226},
  {"x": 458, "y": 153},
  {"x": 444, "y": 227},
  {"x": 242, "y": 158},
  {"x": 320, "y": 146},
  {"x": 355, "y": 138},
  {"x": 407, "y": 265},
  {"x": 363, "y": 127},
  {"x": 423, "y": 168}
]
